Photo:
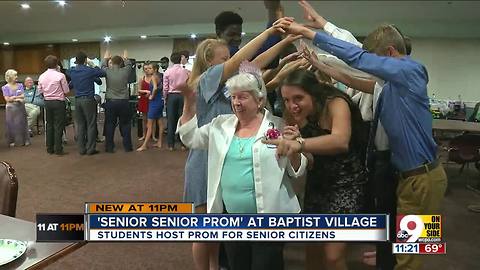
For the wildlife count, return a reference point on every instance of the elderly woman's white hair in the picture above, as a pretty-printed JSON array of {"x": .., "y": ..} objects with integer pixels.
[
  {"x": 10, "y": 75},
  {"x": 247, "y": 82}
]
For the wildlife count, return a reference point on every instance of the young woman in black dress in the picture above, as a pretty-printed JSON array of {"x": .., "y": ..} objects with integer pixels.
[{"x": 327, "y": 124}]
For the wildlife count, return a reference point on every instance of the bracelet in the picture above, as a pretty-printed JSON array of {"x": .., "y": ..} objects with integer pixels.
[{"x": 301, "y": 141}]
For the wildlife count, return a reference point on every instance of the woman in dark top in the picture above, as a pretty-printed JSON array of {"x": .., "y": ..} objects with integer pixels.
[{"x": 331, "y": 130}]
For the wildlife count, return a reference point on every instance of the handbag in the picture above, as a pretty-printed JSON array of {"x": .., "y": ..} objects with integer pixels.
[{"x": 39, "y": 101}]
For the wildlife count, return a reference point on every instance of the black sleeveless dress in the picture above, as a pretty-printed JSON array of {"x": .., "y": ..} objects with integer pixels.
[{"x": 337, "y": 183}]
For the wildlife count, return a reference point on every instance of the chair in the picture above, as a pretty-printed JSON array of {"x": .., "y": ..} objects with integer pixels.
[
  {"x": 69, "y": 107},
  {"x": 465, "y": 149},
  {"x": 41, "y": 121},
  {"x": 8, "y": 189},
  {"x": 473, "y": 116}
]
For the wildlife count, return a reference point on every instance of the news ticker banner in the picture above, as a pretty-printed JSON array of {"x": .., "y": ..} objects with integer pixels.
[
  {"x": 137, "y": 208},
  {"x": 151, "y": 221},
  {"x": 233, "y": 227},
  {"x": 176, "y": 222},
  {"x": 419, "y": 234},
  {"x": 71, "y": 227}
]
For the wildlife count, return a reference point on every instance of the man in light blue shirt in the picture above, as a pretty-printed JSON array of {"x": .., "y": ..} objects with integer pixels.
[{"x": 403, "y": 109}]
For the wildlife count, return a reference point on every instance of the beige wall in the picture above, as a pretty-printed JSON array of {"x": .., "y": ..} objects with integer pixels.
[{"x": 453, "y": 66}]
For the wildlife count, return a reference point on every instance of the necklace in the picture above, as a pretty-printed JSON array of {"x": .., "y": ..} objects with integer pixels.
[{"x": 241, "y": 147}]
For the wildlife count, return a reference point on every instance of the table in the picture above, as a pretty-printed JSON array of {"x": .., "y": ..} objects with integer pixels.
[
  {"x": 458, "y": 126},
  {"x": 455, "y": 125},
  {"x": 37, "y": 255}
]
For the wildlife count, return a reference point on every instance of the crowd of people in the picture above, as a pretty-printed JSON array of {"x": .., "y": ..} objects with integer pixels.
[
  {"x": 370, "y": 153},
  {"x": 26, "y": 102},
  {"x": 373, "y": 152}
]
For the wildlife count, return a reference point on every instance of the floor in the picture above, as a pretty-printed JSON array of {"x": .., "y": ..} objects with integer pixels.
[{"x": 51, "y": 184}]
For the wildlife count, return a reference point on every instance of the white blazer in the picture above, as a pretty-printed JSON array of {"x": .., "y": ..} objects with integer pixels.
[{"x": 273, "y": 190}]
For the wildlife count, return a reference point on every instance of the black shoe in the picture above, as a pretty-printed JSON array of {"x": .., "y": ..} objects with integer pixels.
[
  {"x": 94, "y": 152},
  {"x": 50, "y": 152},
  {"x": 129, "y": 150},
  {"x": 61, "y": 154},
  {"x": 111, "y": 151},
  {"x": 82, "y": 153}
]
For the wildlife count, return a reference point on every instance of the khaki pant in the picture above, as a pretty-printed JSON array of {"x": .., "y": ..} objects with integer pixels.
[
  {"x": 33, "y": 111},
  {"x": 419, "y": 195}
]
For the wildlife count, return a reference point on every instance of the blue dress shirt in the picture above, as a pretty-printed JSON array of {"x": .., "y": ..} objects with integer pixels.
[
  {"x": 83, "y": 78},
  {"x": 404, "y": 111}
]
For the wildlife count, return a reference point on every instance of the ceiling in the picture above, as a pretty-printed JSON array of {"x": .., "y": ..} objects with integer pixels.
[{"x": 47, "y": 22}]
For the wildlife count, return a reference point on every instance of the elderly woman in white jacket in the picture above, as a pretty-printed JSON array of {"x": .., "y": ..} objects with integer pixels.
[{"x": 244, "y": 175}]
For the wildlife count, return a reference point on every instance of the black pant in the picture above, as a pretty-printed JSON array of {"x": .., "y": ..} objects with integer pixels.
[
  {"x": 55, "y": 114},
  {"x": 118, "y": 110},
  {"x": 174, "y": 111},
  {"x": 86, "y": 124},
  {"x": 254, "y": 255},
  {"x": 385, "y": 185}
]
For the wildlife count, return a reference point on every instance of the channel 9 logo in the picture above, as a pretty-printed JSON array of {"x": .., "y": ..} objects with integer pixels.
[{"x": 419, "y": 228}]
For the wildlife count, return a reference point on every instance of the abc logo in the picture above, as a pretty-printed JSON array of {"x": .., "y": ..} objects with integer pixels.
[
  {"x": 402, "y": 235},
  {"x": 410, "y": 228}
]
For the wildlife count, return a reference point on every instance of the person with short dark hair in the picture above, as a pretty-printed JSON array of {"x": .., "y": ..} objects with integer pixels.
[
  {"x": 53, "y": 85},
  {"x": 83, "y": 79},
  {"x": 173, "y": 78},
  {"x": 117, "y": 108},
  {"x": 164, "y": 62},
  {"x": 228, "y": 26},
  {"x": 184, "y": 56},
  {"x": 175, "y": 58}
]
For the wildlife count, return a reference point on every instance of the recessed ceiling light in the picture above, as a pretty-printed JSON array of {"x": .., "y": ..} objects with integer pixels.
[
  {"x": 25, "y": 6},
  {"x": 193, "y": 36},
  {"x": 74, "y": 39},
  {"x": 143, "y": 37},
  {"x": 61, "y": 3},
  {"x": 107, "y": 39},
  {"x": 6, "y": 43},
  {"x": 243, "y": 33}
]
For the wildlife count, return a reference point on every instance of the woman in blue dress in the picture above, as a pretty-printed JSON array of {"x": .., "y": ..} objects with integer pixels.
[{"x": 155, "y": 106}]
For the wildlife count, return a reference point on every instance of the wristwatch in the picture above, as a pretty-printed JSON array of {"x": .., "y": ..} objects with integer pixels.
[{"x": 301, "y": 141}]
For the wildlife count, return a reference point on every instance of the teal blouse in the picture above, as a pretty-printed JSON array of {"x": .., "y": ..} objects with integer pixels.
[{"x": 236, "y": 182}]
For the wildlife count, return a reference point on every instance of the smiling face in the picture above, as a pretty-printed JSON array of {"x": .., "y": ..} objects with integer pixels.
[
  {"x": 245, "y": 105},
  {"x": 28, "y": 83},
  {"x": 232, "y": 35},
  {"x": 220, "y": 55},
  {"x": 298, "y": 103},
  {"x": 164, "y": 64}
]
